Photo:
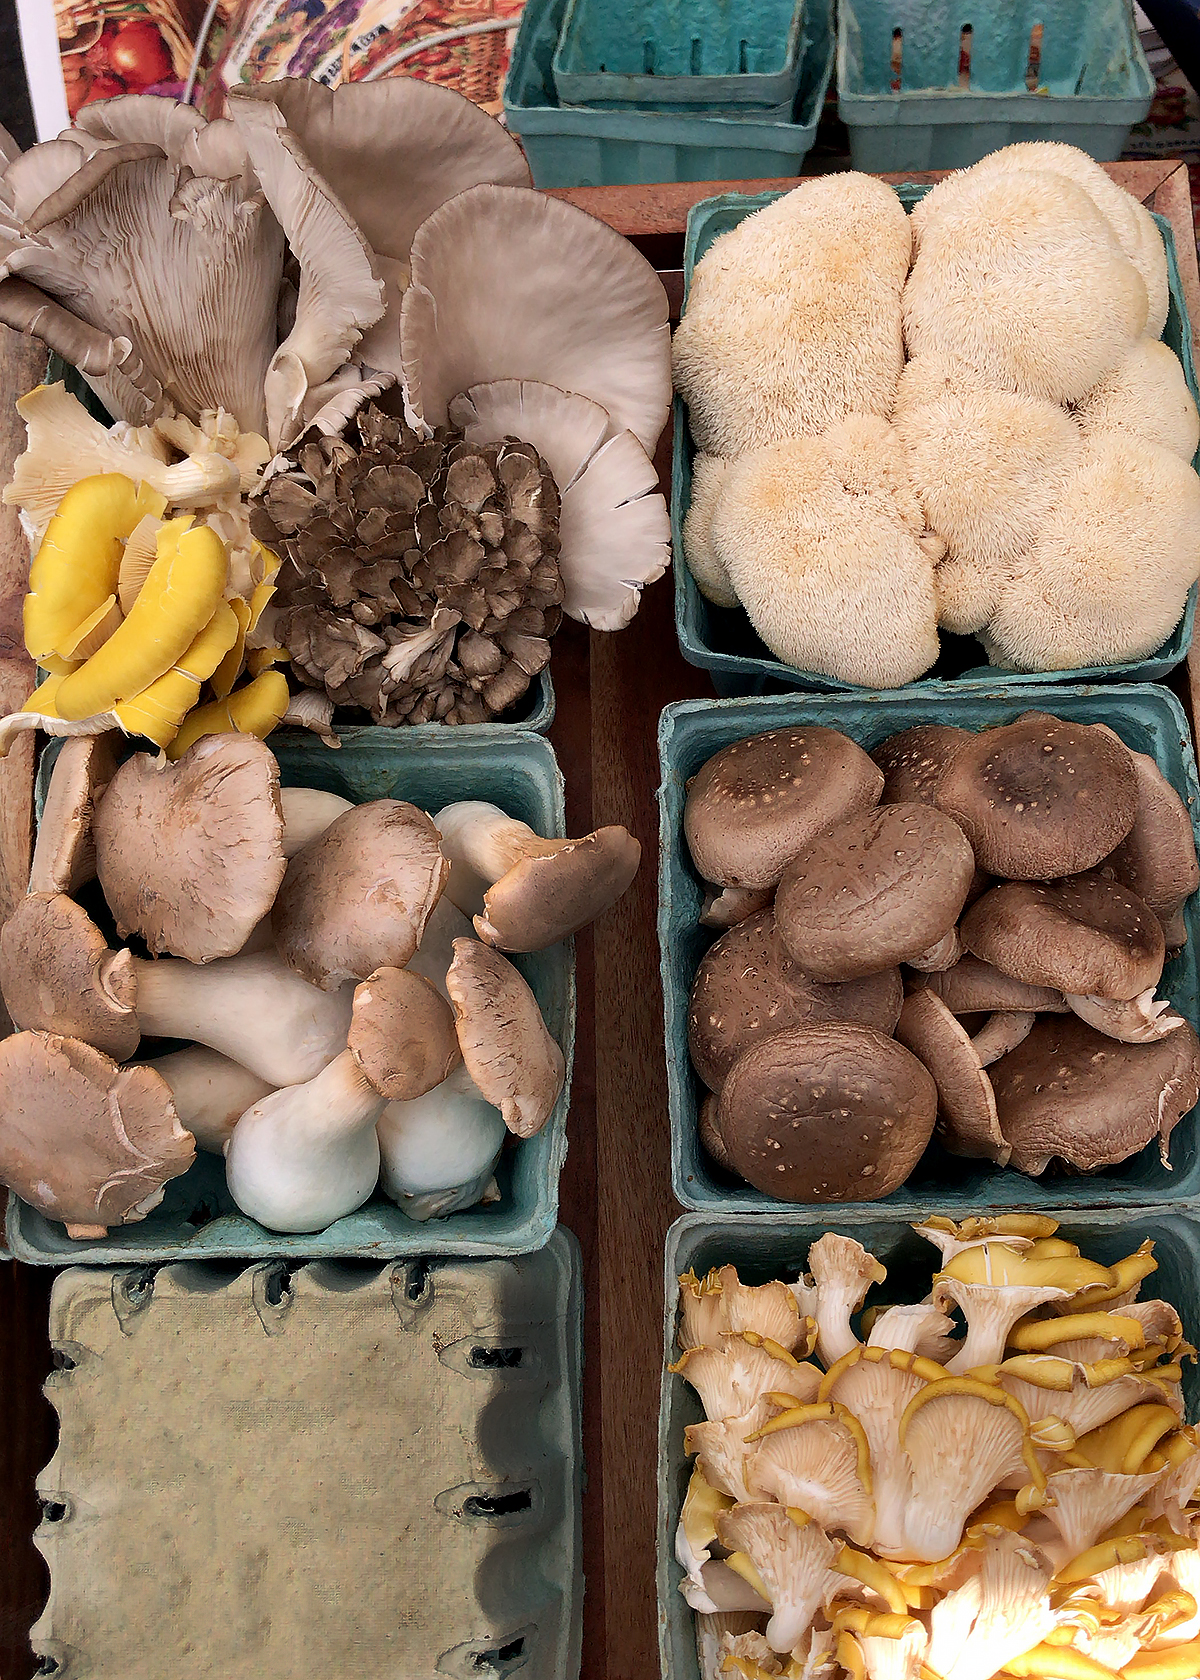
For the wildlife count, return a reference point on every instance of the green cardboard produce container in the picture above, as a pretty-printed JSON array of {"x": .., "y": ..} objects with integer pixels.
[
  {"x": 768, "y": 1248},
  {"x": 723, "y": 642},
  {"x": 1148, "y": 718},
  {"x": 196, "y": 1219}
]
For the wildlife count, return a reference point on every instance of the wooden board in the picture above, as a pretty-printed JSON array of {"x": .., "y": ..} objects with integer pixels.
[{"x": 616, "y": 1192}]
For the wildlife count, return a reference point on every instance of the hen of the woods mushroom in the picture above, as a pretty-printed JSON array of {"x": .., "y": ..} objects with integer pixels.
[
  {"x": 234, "y": 293},
  {"x": 346, "y": 1022},
  {"x": 1025, "y": 476},
  {"x": 994, "y": 1481},
  {"x": 960, "y": 932}
]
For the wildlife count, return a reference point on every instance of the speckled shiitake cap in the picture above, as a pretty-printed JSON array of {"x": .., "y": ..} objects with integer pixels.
[
  {"x": 912, "y": 762},
  {"x": 754, "y": 804},
  {"x": 1041, "y": 797},
  {"x": 826, "y": 1114}
]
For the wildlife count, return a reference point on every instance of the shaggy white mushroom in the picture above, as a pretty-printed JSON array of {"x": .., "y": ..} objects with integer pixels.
[
  {"x": 1145, "y": 396},
  {"x": 709, "y": 473}
]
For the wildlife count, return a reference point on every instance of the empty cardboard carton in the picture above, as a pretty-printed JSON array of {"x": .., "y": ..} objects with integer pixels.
[{"x": 335, "y": 1470}]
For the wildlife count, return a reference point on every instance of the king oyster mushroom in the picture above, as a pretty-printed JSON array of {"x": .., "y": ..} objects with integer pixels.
[
  {"x": 753, "y": 805},
  {"x": 437, "y": 1152},
  {"x": 190, "y": 854},
  {"x": 505, "y": 1044},
  {"x": 83, "y": 1140},
  {"x": 210, "y": 1093},
  {"x": 64, "y": 854}
]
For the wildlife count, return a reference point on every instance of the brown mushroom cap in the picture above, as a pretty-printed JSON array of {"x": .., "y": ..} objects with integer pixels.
[
  {"x": 748, "y": 987},
  {"x": 826, "y": 1114},
  {"x": 544, "y": 899},
  {"x": 190, "y": 854},
  {"x": 58, "y": 975},
  {"x": 402, "y": 1034},
  {"x": 912, "y": 762},
  {"x": 1157, "y": 858},
  {"x": 967, "y": 1120},
  {"x": 64, "y": 857},
  {"x": 1085, "y": 934},
  {"x": 973, "y": 987},
  {"x": 505, "y": 1043},
  {"x": 710, "y": 1137},
  {"x": 1070, "y": 1093},
  {"x": 881, "y": 887},
  {"x": 83, "y": 1140},
  {"x": 754, "y": 804},
  {"x": 1041, "y": 797},
  {"x": 357, "y": 898}
]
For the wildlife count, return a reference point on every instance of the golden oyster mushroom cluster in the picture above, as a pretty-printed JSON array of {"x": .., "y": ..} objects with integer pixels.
[
  {"x": 927, "y": 1499},
  {"x": 346, "y": 1024}
]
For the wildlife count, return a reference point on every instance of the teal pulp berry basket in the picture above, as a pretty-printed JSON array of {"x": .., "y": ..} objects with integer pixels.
[
  {"x": 714, "y": 56},
  {"x": 1148, "y": 719},
  {"x": 908, "y": 105},
  {"x": 197, "y": 1219},
  {"x": 778, "y": 1248},
  {"x": 591, "y": 146},
  {"x": 722, "y": 640}
]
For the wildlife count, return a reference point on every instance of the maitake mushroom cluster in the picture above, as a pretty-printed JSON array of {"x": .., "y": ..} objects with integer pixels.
[
  {"x": 233, "y": 292},
  {"x": 421, "y": 576},
  {"x": 345, "y": 1027},
  {"x": 928, "y": 1499},
  {"x": 1025, "y": 476},
  {"x": 1022, "y": 885}
]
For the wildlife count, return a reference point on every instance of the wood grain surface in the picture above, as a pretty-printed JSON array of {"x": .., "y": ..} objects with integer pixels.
[{"x": 616, "y": 1191}]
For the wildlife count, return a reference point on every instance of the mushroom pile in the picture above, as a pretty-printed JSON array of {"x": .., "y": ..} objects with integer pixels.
[
  {"x": 924, "y": 1501},
  {"x": 1022, "y": 885},
  {"x": 345, "y": 1021},
  {"x": 234, "y": 292},
  {"x": 1024, "y": 476}
]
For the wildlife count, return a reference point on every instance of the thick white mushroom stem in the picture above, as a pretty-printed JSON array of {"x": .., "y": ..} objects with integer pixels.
[
  {"x": 483, "y": 843},
  {"x": 307, "y": 813},
  {"x": 1002, "y": 1032},
  {"x": 308, "y": 1155},
  {"x": 1140, "y": 1020},
  {"x": 253, "y": 1009},
  {"x": 210, "y": 1092},
  {"x": 938, "y": 958}
]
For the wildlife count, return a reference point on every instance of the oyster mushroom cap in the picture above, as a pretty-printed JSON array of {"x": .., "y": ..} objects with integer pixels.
[
  {"x": 842, "y": 1273},
  {"x": 357, "y": 898},
  {"x": 796, "y": 1565},
  {"x": 1001, "y": 1610},
  {"x": 826, "y": 1114},
  {"x": 402, "y": 1034},
  {"x": 747, "y": 987},
  {"x": 64, "y": 855},
  {"x": 99, "y": 357},
  {"x": 912, "y": 762},
  {"x": 1084, "y": 934},
  {"x": 83, "y": 1140},
  {"x": 498, "y": 292},
  {"x": 1042, "y": 797},
  {"x": 973, "y": 987},
  {"x": 1157, "y": 858},
  {"x": 190, "y": 854},
  {"x": 753, "y": 805},
  {"x": 966, "y": 1106},
  {"x": 58, "y": 975},
  {"x": 1070, "y": 1093},
  {"x": 881, "y": 887},
  {"x": 817, "y": 1466},
  {"x": 565, "y": 428},
  {"x": 505, "y": 1043},
  {"x": 615, "y": 533}
]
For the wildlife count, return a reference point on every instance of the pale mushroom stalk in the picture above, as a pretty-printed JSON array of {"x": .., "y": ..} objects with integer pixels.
[
  {"x": 1002, "y": 1032},
  {"x": 210, "y": 1093},
  {"x": 725, "y": 907},
  {"x": 439, "y": 1144},
  {"x": 843, "y": 1271},
  {"x": 307, "y": 813},
  {"x": 526, "y": 892},
  {"x": 990, "y": 1310},
  {"x": 1139, "y": 1020}
]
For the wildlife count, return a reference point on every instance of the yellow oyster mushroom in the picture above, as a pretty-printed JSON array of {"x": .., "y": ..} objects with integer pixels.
[
  {"x": 1123, "y": 1444},
  {"x": 76, "y": 567},
  {"x": 177, "y": 600},
  {"x": 230, "y": 668},
  {"x": 1058, "y": 1662},
  {"x": 252, "y": 710},
  {"x": 160, "y": 709}
]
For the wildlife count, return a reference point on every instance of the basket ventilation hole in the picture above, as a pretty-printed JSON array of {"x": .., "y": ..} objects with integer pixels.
[
  {"x": 498, "y": 1505},
  {"x": 1033, "y": 65},
  {"x": 496, "y": 1358},
  {"x": 278, "y": 1286},
  {"x": 62, "y": 1361},
  {"x": 203, "y": 1213},
  {"x": 964, "y": 55},
  {"x": 497, "y": 1661},
  {"x": 897, "y": 58},
  {"x": 46, "y": 1665},
  {"x": 648, "y": 57},
  {"x": 53, "y": 1510},
  {"x": 418, "y": 1282}
]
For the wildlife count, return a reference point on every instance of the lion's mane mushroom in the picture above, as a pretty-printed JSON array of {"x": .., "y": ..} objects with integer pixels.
[
  {"x": 747, "y": 987},
  {"x": 505, "y": 1043},
  {"x": 1070, "y": 1093},
  {"x": 357, "y": 898},
  {"x": 1107, "y": 578},
  {"x": 534, "y": 891},
  {"x": 712, "y": 580},
  {"x": 64, "y": 855},
  {"x": 1157, "y": 858},
  {"x": 826, "y": 1114},
  {"x": 1041, "y": 797},
  {"x": 881, "y": 888},
  {"x": 83, "y": 1140},
  {"x": 753, "y": 805},
  {"x": 190, "y": 855},
  {"x": 793, "y": 317},
  {"x": 1144, "y": 396}
]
